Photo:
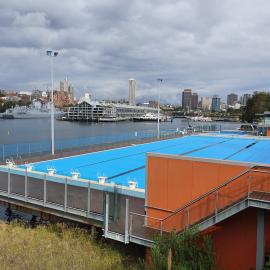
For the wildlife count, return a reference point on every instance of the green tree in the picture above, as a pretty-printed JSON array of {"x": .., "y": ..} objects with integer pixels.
[
  {"x": 258, "y": 104},
  {"x": 190, "y": 251}
]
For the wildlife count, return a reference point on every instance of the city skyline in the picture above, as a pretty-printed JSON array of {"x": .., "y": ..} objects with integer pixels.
[{"x": 209, "y": 47}]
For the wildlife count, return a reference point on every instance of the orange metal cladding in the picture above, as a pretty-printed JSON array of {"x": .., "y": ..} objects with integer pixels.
[
  {"x": 174, "y": 182},
  {"x": 268, "y": 132}
]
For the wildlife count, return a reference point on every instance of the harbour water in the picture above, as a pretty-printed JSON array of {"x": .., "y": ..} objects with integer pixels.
[{"x": 14, "y": 131}]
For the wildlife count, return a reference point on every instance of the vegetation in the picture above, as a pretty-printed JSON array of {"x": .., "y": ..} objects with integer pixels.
[
  {"x": 4, "y": 105},
  {"x": 258, "y": 104},
  {"x": 56, "y": 247},
  {"x": 189, "y": 251}
]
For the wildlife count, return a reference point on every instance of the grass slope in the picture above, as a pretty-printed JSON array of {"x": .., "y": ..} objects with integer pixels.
[{"x": 56, "y": 247}]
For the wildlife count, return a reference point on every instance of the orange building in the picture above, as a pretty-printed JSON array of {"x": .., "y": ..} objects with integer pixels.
[{"x": 228, "y": 200}]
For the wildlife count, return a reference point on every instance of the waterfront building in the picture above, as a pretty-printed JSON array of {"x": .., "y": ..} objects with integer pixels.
[
  {"x": 88, "y": 110},
  {"x": 232, "y": 99},
  {"x": 215, "y": 106},
  {"x": 132, "y": 91},
  {"x": 206, "y": 103},
  {"x": 186, "y": 99}
]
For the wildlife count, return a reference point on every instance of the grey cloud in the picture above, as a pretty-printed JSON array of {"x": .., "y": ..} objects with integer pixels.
[{"x": 211, "y": 46}]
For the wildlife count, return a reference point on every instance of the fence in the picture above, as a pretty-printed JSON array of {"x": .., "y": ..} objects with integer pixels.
[{"x": 20, "y": 150}]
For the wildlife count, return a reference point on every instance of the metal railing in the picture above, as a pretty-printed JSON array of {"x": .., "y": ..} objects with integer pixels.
[
  {"x": 218, "y": 199},
  {"x": 78, "y": 197},
  {"x": 254, "y": 180}
]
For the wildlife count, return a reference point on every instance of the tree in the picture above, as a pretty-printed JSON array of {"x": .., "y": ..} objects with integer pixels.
[
  {"x": 189, "y": 251},
  {"x": 258, "y": 104}
]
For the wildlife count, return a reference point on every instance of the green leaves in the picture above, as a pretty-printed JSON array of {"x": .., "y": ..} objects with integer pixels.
[{"x": 190, "y": 251}]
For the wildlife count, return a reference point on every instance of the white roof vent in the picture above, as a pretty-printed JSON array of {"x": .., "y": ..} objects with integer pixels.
[
  {"x": 102, "y": 179},
  {"x": 75, "y": 174},
  {"x": 132, "y": 184},
  {"x": 51, "y": 170},
  {"x": 10, "y": 163},
  {"x": 29, "y": 167}
]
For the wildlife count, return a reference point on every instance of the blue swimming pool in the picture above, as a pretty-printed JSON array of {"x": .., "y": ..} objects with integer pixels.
[{"x": 126, "y": 164}]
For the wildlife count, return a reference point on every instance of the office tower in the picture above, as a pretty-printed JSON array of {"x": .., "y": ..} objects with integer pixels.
[
  {"x": 215, "y": 107},
  {"x": 132, "y": 90},
  {"x": 244, "y": 99},
  {"x": 194, "y": 101},
  {"x": 232, "y": 99},
  {"x": 206, "y": 103},
  {"x": 186, "y": 99}
]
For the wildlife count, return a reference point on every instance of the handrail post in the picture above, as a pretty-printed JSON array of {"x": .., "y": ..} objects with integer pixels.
[
  {"x": 88, "y": 199},
  {"x": 216, "y": 203},
  {"x": 25, "y": 185},
  {"x": 44, "y": 190},
  {"x": 126, "y": 222},
  {"x": 131, "y": 224},
  {"x": 249, "y": 185},
  {"x": 106, "y": 227}
]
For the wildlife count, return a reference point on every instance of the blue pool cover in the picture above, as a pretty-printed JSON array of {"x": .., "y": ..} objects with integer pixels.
[{"x": 122, "y": 165}]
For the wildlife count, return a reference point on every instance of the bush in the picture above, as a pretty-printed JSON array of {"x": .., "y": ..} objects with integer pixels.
[{"x": 189, "y": 251}]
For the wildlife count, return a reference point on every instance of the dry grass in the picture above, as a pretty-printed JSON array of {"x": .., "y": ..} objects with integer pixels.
[{"x": 55, "y": 247}]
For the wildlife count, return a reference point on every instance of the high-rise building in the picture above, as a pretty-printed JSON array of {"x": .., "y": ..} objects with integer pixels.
[
  {"x": 206, "y": 103},
  {"x": 132, "y": 90},
  {"x": 186, "y": 99},
  {"x": 66, "y": 86},
  {"x": 232, "y": 99},
  {"x": 194, "y": 101},
  {"x": 215, "y": 107},
  {"x": 244, "y": 99}
]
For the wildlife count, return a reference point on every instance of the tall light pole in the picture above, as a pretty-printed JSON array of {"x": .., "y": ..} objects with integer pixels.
[
  {"x": 52, "y": 55},
  {"x": 160, "y": 80}
]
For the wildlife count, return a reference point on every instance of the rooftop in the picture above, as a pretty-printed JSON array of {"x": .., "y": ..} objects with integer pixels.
[{"x": 126, "y": 164}]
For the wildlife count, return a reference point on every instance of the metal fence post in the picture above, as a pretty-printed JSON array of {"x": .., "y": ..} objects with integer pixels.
[
  {"x": 3, "y": 152},
  {"x": 88, "y": 199},
  {"x": 26, "y": 185},
  {"x": 44, "y": 190},
  {"x": 126, "y": 222},
  {"x": 65, "y": 202},
  {"x": 106, "y": 215},
  {"x": 17, "y": 149},
  {"x": 8, "y": 182}
]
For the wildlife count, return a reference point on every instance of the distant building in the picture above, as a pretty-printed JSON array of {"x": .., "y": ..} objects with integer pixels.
[
  {"x": 232, "y": 99},
  {"x": 132, "y": 90},
  {"x": 65, "y": 96},
  {"x": 206, "y": 103},
  {"x": 194, "y": 101},
  {"x": 186, "y": 99},
  {"x": 37, "y": 94},
  {"x": 215, "y": 107},
  {"x": 66, "y": 86},
  {"x": 244, "y": 99}
]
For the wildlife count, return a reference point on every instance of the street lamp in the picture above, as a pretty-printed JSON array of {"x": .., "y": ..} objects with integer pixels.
[
  {"x": 52, "y": 55},
  {"x": 160, "y": 80}
]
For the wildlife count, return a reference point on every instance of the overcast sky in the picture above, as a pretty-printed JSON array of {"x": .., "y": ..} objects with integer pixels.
[{"x": 211, "y": 46}]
